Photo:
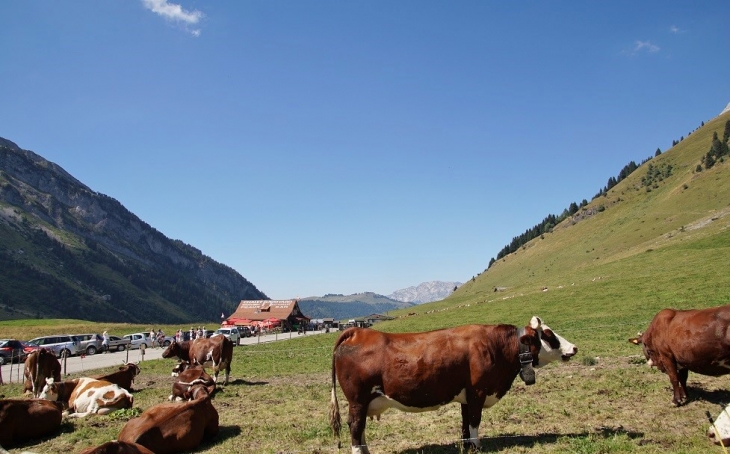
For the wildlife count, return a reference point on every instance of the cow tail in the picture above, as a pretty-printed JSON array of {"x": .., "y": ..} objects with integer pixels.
[
  {"x": 335, "y": 420},
  {"x": 36, "y": 391}
]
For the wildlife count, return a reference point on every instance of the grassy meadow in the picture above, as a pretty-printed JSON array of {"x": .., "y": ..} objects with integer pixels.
[{"x": 606, "y": 273}]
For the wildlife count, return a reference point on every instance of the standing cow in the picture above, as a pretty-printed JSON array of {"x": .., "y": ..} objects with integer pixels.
[
  {"x": 473, "y": 365},
  {"x": 39, "y": 365},
  {"x": 215, "y": 352},
  {"x": 679, "y": 341}
]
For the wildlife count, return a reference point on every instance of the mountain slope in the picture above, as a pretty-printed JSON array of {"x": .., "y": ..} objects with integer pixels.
[
  {"x": 601, "y": 275},
  {"x": 343, "y": 307},
  {"x": 69, "y": 252}
]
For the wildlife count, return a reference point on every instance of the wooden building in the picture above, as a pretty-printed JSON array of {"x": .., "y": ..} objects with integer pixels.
[{"x": 275, "y": 312}]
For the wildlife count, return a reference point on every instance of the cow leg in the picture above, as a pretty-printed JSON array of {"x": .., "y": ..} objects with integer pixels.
[
  {"x": 471, "y": 417},
  {"x": 680, "y": 396},
  {"x": 683, "y": 374},
  {"x": 356, "y": 421}
]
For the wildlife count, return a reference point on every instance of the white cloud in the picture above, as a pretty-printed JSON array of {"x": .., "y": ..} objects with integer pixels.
[
  {"x": 175, "y": 13},
  {"x": 676, "y": 30},
  {"x": 645, "y": 46}
]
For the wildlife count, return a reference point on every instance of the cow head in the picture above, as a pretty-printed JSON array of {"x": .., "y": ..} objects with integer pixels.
[
  {"x": 50, "y": 390},
  {"x": 551, "y": 347},
  {"x": 171, "y": 350},
  {"x": 719, "y": 431},
  {"x": 648, "y": 353},
  {"x": 181, "y": 367},
  {"x": 131, "y": 366},
  {"x": 200, "y": 391}
]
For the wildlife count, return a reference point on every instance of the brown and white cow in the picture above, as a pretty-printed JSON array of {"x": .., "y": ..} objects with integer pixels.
[
  {"x": 215, "y": 352},
  {"x": 117, "y": 447},
  {"x": 174, "y": 426},
  {"x": 84, "y": 396},
  {"x": 39, "y": 365},
  {"x": 679, "y": 341},
  {"x": 473, "y": 365},
  {"x": 124, "y": 377},
  {"x": 24, "y": 419},
  {"x": 187, "y": 379}
]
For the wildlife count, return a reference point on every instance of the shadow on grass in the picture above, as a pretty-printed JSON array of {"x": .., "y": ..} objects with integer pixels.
[
  {"x": 240, "y": 381},
  {"x": 66, "y": 427},
  {"x": 224, "y": 433},
  {"x": 719, "y": 396},
  {"x": 523, "y": 441}
]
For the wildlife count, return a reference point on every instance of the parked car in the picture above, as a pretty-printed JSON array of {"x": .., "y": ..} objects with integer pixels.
[
  {"x": 244, "y": 331},
  {"x": 136, "y": 340},
  {"x": 11, "y": 350},
  {"x": 59, "y": 344},
  {"x": 28, "y": 347},
  {"x": 231, "y": 333},
  {"x": 90, "y": 343},
  {"x": 118, "y": 343}
]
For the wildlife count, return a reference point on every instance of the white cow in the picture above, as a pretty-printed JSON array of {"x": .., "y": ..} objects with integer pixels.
[{"x": 85, "y": 396}]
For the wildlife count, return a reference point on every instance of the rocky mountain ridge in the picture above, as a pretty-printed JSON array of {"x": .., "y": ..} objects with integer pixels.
[
  {"x": 84, "y": 255},
  {"x": 425, "y": 292}
]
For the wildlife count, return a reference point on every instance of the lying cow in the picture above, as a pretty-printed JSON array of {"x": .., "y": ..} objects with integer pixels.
[
  {"x": 215, "y": 352},
  {"x": 39, "y": 365},
  {"x": 84, "y": 396},
  {"x": 117, "y": 447},
  {"x": 174, "y": 427},
  {"x": 23, "y": 419},
  {"x": 473, "y": 365},
  {"x": 124, "y": 377},
  {"x": 719, "y": 431},
  {"x": 187, "y": 379},
  {"x": 679, "y": 341}
]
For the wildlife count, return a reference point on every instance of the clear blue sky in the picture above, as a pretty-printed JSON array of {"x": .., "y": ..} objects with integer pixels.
[{"x": 347, "y": 146}]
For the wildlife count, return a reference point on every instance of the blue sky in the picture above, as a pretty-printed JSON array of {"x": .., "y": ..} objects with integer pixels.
[{"x": 341, "y": 146}]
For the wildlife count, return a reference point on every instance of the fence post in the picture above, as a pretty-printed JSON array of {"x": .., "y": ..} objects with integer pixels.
[{"x": 63, "y": 357}]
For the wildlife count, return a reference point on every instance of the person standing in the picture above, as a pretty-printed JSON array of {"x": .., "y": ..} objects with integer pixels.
[
  {"x": 152, "y": 338},
  {"x": 105, "y": 342}
]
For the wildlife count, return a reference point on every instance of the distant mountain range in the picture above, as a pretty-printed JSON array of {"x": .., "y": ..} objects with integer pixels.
[
  {"x": 67, "y": 251},
  {"x": 425, "y": 292},
  {"x": 341, "y": 307}
]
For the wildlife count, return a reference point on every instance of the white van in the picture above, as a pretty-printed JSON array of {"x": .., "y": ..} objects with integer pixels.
[{"x": 230, "y": 332}]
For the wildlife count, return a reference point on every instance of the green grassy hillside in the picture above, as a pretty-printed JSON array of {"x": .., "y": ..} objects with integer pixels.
[{"x": 613, "y": 265}]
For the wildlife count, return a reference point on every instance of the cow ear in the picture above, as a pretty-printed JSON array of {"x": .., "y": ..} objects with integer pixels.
[
  {"x": 635, "y": 340},
  {"x": 535, "y": 322},
  {"x": 527, "y": 338}
]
